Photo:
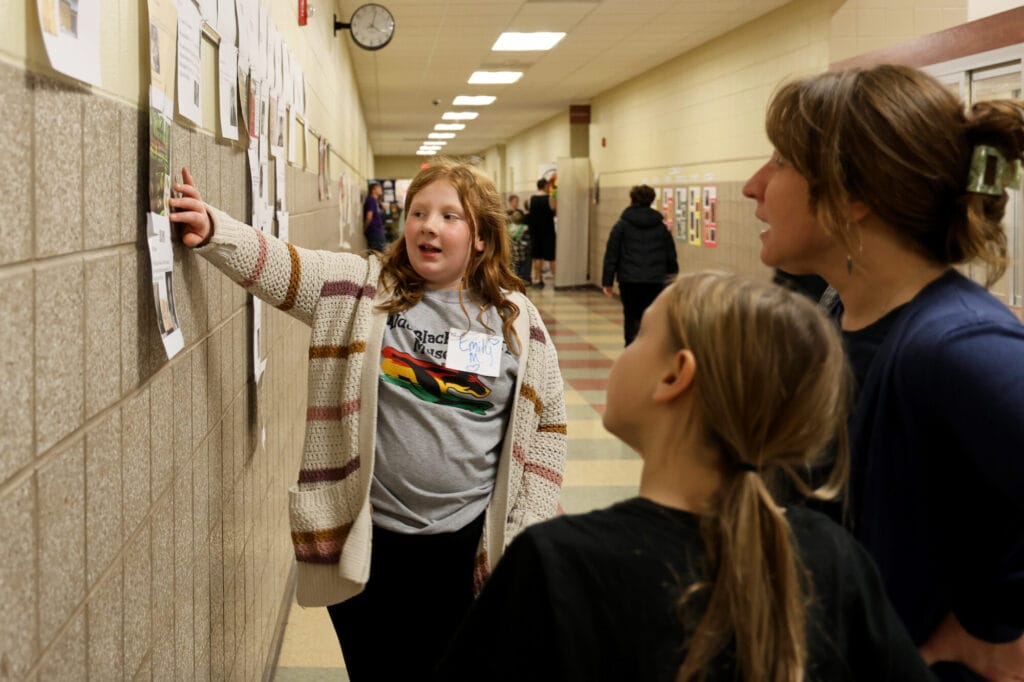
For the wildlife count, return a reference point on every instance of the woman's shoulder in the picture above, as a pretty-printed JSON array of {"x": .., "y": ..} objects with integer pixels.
[
  {"x": 956, "y": 320},
  {"x": 954, "y": 302}
]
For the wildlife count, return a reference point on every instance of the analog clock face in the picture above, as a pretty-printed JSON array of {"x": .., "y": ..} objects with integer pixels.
[{"x": 372, "y": 26}]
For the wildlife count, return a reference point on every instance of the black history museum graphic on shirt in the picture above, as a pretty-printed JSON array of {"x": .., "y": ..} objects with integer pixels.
[
  {"x": 434, "y": 383},
  {"x": 414, "y": 359}
]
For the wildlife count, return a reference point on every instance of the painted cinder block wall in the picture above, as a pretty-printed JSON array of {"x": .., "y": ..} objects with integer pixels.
[{"x": 143, "y": 501}]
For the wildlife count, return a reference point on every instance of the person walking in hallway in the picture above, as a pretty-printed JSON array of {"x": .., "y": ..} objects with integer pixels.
[
  {"x": 731, "y": 382},
  {"x": 541, "y": 221},
  {"x": 435, "y": 427},
  {"x": 373, "y": 220},
  {"x": 641, "y": 253},
  {"x": 882, "y": 182}
]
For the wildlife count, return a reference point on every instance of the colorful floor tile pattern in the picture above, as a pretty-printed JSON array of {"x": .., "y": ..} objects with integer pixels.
[{"x": 587, "y": 330}]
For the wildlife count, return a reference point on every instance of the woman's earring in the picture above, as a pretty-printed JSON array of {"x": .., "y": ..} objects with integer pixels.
[{"x": 849, "y": 264}]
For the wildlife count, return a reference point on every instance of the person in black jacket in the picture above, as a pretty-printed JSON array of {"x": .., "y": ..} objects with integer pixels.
[{"x": 642, "y": 253}]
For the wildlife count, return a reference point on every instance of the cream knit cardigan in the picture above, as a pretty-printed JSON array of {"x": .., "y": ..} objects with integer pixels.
[{"x": 337, "y": 294}]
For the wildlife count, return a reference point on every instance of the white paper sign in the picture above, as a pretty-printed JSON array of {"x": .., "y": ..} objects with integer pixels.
[
  {"x": 190, "y": 90},
  {"x": 226, "y": 25},
  {"x": 475, "y": 352},
  {"x": 161, "y": 258},
  {"x": 71, "y": 34},
  {"x": 227, "y": 60},
  {"x": 208, "y": 11},
  {"x": 282, "y": 226}
]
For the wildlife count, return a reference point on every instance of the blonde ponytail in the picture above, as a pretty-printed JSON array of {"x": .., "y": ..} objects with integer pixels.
[{"x": 773, "y": 390}]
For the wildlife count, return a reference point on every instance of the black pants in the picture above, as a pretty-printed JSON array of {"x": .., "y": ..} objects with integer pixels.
[
  {"x": 635, "y": 299},
  {"x": 420, "y": 588}
]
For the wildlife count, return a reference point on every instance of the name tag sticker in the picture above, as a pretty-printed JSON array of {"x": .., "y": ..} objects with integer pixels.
[{"x": 474, "y": 352}]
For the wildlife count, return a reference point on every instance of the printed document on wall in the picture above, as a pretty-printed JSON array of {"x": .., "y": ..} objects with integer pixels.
[
  {"x": 163, "y": 19},
  {"x": 190, "y": 26},
  {"x": 227, "y": 63},
  {"x": 158, "y": 226},
  {"x": 71, "y": 34},
  {"x": 226, "y": 24}
]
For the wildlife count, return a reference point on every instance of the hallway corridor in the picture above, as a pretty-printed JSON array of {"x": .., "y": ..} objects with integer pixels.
[{"x": 587, "y": 330}]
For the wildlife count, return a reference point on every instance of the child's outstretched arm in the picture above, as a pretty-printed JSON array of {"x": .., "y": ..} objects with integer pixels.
[
  {"x": 287, "y": 277},
  {"x": 190, "y": 213}
]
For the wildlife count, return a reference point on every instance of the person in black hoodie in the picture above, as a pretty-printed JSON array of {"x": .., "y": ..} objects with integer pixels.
[{"x": 642, "y": 254}]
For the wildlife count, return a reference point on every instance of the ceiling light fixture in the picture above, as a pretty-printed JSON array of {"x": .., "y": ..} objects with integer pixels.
[
  {"x": 459, "y": 115},
  {"x": 425, "y": 152},
  {"x": 494, "y": 77},
  {"x": 473, "y": 100},
  {"x": 441, "y": 136},
  {"x": 450, "y": 126},
  {"x": 526, "y": 42},
  {"x": 434, "y": 143}
]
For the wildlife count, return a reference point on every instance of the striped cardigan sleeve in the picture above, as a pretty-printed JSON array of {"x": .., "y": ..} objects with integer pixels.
[
  {"x": 285, "y": 276},
  {"x": 541, "y": 453}
]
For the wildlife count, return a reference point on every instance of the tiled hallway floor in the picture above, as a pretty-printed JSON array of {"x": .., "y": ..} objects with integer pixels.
[{"x": 587, "y": 330}]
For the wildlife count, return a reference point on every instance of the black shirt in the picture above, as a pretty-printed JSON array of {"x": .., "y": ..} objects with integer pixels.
[{"x": 593, "y": 597}]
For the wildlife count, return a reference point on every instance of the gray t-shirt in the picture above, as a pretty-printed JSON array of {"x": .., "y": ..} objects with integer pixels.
[{"x": 439, "y": 430}]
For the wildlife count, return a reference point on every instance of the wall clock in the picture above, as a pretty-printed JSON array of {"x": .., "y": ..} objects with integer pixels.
[{"x": 372, "y": 26}]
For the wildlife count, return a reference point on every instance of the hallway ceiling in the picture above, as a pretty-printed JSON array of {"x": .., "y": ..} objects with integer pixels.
[{"x": 438, "y": 43}]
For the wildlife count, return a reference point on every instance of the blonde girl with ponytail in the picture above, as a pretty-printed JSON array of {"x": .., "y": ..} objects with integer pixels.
[{"x": 730, "y": 384}]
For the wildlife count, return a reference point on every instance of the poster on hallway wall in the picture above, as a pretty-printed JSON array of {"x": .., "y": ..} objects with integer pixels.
[
  {"x": 71, "y": 35},
  {"x": 190, "y": 89},
  {"x": 668, "y": 211},
  {"x": 710, "y": 217},
  {"x": 163, "y": 20},
  {"x": 227, "y": 76},
  {"x": 694, "y": 226},
  {"x": 680, "y": 213}
]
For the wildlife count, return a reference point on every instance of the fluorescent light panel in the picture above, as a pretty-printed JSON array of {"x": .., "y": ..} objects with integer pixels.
[
  {"x": 434, "y": 143},
  {"x": 473, "y": 100},
  {"x": 526, "y": 42},
  {"x": 425, "y": 152},
  {"x": 441, "y": 136},
  {"x": 450, "y": 126},
  {"x": 459, "y": 115},
  {"x": 494, "y": 77}
]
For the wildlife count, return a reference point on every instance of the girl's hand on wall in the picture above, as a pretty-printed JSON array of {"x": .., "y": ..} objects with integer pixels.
[{"x": 189, "y": 211}]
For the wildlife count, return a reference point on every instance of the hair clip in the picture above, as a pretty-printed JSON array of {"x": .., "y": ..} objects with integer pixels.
[{"x": 991, "y": 173}]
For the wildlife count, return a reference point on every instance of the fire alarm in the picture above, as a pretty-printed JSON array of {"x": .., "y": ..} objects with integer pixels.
[{"x": 604, "y": 142}]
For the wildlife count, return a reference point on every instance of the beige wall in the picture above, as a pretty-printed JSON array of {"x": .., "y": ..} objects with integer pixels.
[
  {"x": 524, "y": 153},
  {"x": 142, "y": 501},
  {"x": 699, "y": 118},
  {"x": 864, "y": 25},
  {"x": 398, "y": 167}
]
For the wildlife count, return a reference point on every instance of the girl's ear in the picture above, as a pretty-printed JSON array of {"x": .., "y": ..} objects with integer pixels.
[
  {"x": 480, "y": 245},
  {"x": 678, "y": 378}
]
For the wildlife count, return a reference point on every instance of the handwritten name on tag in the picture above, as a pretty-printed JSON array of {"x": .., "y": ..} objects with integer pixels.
[{"x": 474, "y": 352}]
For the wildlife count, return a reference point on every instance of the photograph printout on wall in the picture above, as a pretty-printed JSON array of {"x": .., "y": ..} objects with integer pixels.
[
  {"x": 71, "y": 35},
  {"x": 162, "y": 39}
]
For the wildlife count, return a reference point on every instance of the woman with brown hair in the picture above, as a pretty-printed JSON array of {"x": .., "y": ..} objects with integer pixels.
[
  {"x": 729, "y": 383},
  {"x": 881, "y": 183}
]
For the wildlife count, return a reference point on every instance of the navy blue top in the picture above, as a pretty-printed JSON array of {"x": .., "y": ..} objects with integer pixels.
[
  {"x": 376, "y": 226},
  {"x": 937, "y": 474}
]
